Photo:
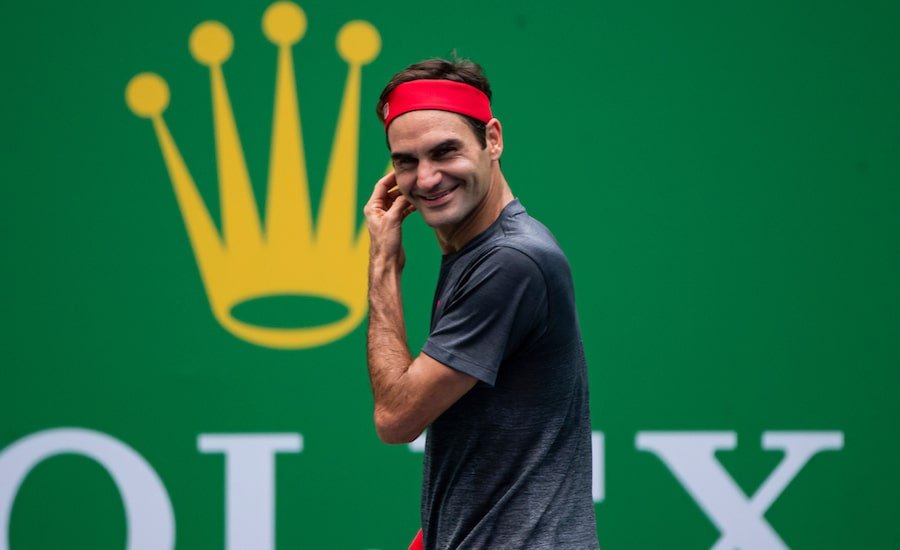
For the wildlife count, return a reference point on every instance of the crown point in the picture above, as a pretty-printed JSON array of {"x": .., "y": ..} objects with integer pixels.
[
  {"x": 358, "y": 42},
  {"x": 211, "y": 43},
  {"x": 284, "y": 23},
  {"x": 147, "y": 95}
]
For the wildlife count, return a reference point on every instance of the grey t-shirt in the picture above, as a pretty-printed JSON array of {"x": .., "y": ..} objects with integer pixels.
[{"x": 508, "y": 466}]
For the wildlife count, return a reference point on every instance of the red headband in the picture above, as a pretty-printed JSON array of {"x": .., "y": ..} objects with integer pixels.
[{"x": 441, "y": 95}]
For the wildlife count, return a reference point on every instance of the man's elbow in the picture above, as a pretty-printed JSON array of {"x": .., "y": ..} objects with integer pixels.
[{"x": 394, "y": 429}]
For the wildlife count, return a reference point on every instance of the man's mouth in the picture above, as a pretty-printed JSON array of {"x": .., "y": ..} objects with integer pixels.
[{"x": 435, "y": 197}]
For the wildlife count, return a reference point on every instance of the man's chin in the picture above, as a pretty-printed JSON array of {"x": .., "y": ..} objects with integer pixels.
[{"x": 439, "y": 219}]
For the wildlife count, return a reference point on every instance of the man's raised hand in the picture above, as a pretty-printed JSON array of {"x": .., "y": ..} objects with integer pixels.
[{"x": 385, "y": 212}]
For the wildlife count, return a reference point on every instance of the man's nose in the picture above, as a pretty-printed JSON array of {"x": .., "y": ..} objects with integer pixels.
[{"x": 427, "y": 175}]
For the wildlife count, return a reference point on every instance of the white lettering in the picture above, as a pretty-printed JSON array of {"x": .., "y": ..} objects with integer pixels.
[
  {"x": 691, "y": 458},
  {"x": 250, "y": 484},
  {"x": 148, "y": 510},
  {"x": 598, "y": 465},
  {"x": 418, "y": 445}
]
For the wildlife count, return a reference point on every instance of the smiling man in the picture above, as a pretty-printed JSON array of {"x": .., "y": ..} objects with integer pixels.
[{"x": 501, "y": 382}]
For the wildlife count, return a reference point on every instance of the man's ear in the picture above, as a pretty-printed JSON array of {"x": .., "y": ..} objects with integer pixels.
[{"x": 494, "y": 136}]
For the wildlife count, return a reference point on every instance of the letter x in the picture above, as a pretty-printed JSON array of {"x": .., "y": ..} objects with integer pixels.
[{"x": 691, "y": 458}]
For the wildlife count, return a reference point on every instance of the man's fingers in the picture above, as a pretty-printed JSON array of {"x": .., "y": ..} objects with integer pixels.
[
  {"x": 389, "y": 180},
  {"x": 380, "y": 194},
  {"x": 400, "y": 204},
  {"x": 400, "y": 209},
  {"x": 410, "y": 208}
]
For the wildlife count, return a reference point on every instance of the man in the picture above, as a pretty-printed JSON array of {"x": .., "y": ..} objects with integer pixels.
[{"x": 501, "y": 382}]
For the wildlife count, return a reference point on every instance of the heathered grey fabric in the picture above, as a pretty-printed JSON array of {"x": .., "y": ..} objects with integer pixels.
[{"x": 508, "y": 466}]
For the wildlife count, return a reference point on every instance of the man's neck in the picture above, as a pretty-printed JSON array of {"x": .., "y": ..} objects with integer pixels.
[{"x": 486, "y": 213}]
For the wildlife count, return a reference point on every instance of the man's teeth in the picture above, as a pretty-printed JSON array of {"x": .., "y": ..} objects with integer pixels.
[{"x": 439, "y": 195}]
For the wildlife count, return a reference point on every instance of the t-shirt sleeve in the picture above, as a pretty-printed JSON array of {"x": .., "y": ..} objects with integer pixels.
[{"x": 498, "y": 304}]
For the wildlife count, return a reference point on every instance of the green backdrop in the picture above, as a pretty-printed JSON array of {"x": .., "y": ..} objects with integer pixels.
[{"x": 723, "y": 177}]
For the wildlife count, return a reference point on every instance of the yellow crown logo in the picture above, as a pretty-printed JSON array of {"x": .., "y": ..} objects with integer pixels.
[{"x": 288, "y": 256}]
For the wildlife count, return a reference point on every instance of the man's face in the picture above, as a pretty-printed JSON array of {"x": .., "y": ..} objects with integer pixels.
[{"x": 440, "y": 166}]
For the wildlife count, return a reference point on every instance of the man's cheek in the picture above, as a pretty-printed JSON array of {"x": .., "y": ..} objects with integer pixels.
[{"x": 405, "y": 183}]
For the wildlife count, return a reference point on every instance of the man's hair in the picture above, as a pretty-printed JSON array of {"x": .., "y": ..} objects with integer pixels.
[{"x": 458, "y": 70}]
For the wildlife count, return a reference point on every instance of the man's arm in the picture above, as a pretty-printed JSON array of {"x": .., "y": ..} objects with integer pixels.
[{"x": 409, "y": 393}]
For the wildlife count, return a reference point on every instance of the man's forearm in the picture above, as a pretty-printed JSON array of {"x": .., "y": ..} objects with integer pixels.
[{"x": 387, "y": 348}]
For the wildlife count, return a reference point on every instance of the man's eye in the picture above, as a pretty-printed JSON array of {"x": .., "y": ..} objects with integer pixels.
[
  {"x": 402, "y": 164},
  {"x": 443, "y": 152}
]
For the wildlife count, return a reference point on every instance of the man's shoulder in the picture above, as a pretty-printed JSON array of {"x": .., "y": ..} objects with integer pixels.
[
  {"x": 528, "y": 236},
  {"x": 515, "y": 243}
]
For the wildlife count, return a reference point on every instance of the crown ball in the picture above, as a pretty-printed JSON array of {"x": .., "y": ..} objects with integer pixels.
[
  {"x": 284, "y": 23},
  {"x": 211, "y": 43},
  {"x": 358, "y": 42},
  {"x": 147, "y": 95}
]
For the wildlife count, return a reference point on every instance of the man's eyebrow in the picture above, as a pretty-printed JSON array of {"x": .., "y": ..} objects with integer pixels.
[
  {"x": 401, "y": 156},
  {"x": 446, "y": 144}
]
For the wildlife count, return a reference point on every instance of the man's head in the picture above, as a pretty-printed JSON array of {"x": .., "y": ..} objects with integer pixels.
[
  {"x": 444, "y": 160},
  {"x": 456, "y": 70}
]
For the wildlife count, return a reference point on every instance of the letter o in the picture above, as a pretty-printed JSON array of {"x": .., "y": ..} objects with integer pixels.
[{"x": 148, "y": 510}]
